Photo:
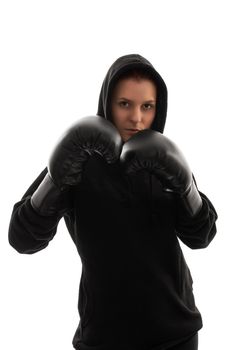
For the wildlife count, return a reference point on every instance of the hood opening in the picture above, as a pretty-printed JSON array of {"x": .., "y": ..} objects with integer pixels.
[{"x": 121, "y": 67}]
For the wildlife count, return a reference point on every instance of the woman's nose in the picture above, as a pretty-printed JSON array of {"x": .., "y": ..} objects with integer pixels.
[{"x": 136, "y": 115}]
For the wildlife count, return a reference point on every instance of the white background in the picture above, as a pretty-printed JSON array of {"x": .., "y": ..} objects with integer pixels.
[{"x": 54, "y": 57}]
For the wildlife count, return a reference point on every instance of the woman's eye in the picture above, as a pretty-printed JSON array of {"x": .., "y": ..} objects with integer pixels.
[
  {"x": 124, "y": 104},
  {"x": 148, "y": 106}
]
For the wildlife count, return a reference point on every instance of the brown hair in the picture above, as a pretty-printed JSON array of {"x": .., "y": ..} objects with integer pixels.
[{"x": 138, "y": 74}]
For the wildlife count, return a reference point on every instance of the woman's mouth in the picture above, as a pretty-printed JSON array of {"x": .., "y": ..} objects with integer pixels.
[{"x": 132, "y": 130}]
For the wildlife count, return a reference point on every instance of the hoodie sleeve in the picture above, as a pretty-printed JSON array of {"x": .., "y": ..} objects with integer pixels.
[
  {"x": 28, "y": 231},
  {"x": 197, "y": 232}
]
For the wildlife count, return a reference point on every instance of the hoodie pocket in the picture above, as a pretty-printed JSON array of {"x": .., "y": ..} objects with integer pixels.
[{"x": 85, "y": 304}]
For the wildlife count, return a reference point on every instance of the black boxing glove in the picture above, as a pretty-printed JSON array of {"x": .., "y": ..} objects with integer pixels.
[
  {"x": 151, "y": 150},
  {"x": 87, "y": 136}
]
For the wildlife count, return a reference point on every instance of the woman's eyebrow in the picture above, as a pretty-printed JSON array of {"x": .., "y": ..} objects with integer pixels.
[
  {"x": 126, "y": 99},
  {"x": 149, "y": 101}
]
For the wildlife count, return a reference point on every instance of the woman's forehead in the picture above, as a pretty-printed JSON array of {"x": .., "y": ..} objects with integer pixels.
[{"x": 131, "y": 88}]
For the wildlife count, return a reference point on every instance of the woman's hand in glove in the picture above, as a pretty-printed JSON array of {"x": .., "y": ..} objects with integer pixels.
[
  {"x": 151, "y": 150},
  {"x": 89, "y": 135}
]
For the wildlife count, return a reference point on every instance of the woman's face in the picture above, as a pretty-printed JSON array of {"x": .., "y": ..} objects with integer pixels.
[{"x": 133, "y": 106}]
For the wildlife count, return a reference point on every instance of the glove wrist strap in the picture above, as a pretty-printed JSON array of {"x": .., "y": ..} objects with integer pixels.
[
  {"x": 192, "y": 200},
  {"x": 45, "y": 200}
]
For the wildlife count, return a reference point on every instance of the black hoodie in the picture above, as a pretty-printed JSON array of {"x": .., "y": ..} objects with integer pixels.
[{"x": 136, "y": 290}]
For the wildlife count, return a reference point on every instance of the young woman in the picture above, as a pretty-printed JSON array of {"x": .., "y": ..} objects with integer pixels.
[{"x": 126, "y": 193}]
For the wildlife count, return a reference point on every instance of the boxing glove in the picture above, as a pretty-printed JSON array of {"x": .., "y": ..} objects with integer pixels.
[
  {"x": 151, "y": 150},
  {"x": 89, "y": 135}
]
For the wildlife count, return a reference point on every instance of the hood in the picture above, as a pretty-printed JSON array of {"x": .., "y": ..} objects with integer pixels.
[{"x": 122, "y": 65}]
